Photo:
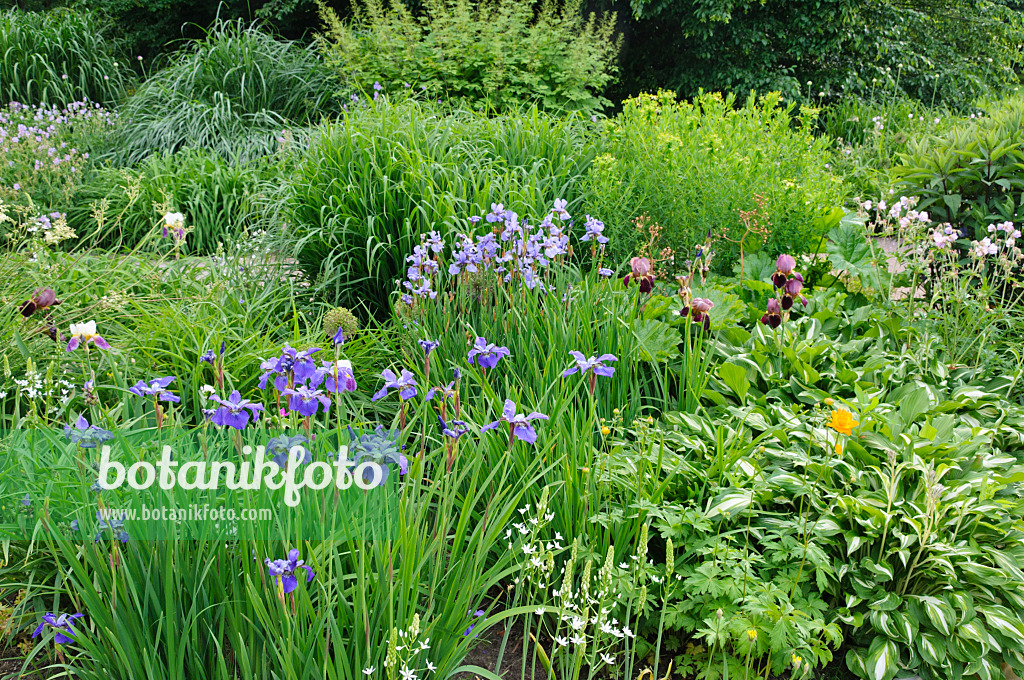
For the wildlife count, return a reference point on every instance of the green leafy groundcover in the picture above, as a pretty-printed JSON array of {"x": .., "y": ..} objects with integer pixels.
[{"x": 735, "y": 476}]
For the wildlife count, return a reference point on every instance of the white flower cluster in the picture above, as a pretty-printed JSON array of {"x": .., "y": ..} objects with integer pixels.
[{"x": 404, "y": 653}]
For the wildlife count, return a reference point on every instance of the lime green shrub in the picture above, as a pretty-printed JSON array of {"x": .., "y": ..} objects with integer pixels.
[
  {"x": 58, "y": 57},
  {"x": 490, "y": 54},
  {"x": 971, "y": 175},
  {"x": 692, "y": 167},
  {"x": 371, "y": 184}
]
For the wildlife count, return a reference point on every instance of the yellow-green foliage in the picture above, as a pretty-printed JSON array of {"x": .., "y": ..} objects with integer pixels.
[
  {"x": 493, "y": 53},
  {"x": 691, "y": 167}
]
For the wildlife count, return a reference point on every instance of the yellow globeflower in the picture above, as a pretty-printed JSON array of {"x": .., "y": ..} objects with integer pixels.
[
  {"x": 606, "y": 430},
  {"x": 752, "y": 634},
  {"x": 843, "y": 422}
]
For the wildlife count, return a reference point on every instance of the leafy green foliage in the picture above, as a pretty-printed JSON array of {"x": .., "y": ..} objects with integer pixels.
[
  {"x": 970, "y": 176},
  {"x": 935, "y": 51},
  {"x": 692, "y": 167},
  {"x": 59, "y": 57},
  {"x": 494, "y": 54}
]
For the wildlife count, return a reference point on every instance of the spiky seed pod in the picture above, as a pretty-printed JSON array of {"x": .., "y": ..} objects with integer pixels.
[{"x": 342, "y": 318}]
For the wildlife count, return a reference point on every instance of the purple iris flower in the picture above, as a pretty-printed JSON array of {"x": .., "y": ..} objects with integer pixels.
[
  {"x": 306, "y": 400},
  {"x": 519, "y": 424},
  {"x": 477, "y": 614},
  {"x": 445, "y": 392},
  {"x": 155, "y": 388},
  {"x": 463, "y": 259},
  {"x": 405, "y": 384},
  {"x": 559, "y": 210},
  {"x": 454, "y": 429},
  {"x": 605, "y": 272},
  {"x": 83, "y": 334},
  {"x": 339, "y": 336},
  {"x": 208, "y": 356},
  {"x": 595, "y": 364},
  {"x": 497, "y": 213},
  {"x": 594, "y": 231},
  {"x": 487, "y": 354},
  {"x": 282, "y": 572},
  {"x": 282, "y": 447},
  {"x": 62, "y": 623},
  {"x": 300, "y": 366},
  {"x": 429, "y": 346},
  {"x": 116, "y": 526},
  {"x": 435, "y": 241},
  {"x": 85, "y": 435},
  {"x": 343, "y": 369},
  {"x": 232, "y": 411}
]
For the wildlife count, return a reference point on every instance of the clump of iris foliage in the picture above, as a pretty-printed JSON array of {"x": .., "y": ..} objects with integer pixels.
[{"x": 653, "y": 395}]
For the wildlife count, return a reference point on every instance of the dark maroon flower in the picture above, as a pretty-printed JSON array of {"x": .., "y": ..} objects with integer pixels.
[
  {"x": 41, "y": 299},
  {"x": 784, "y": 266},
  {"x": 698, "y": 312},
  {"x": 642, "y": 273},
  {"x": 773, "y": 315}
]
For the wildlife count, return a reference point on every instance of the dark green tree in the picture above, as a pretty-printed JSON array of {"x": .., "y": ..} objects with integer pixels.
[{"x": 934, "y": 50}]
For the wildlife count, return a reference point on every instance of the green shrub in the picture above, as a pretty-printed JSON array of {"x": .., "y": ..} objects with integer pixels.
[
  {"x": 691, "y": 168},
  {"x": 124, "y": 207},
  {"x": 371, "y": 184},
  {"x": 869, "y": 137},
  {"x": 58, "y": 57},
  {"x": 232, "y": 93},
  {"x": 491, "y": 54},
  {"x": 970, "y": 176}
]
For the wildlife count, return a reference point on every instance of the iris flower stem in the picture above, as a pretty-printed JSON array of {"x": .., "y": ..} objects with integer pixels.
[{"x": 337, "y": 393}]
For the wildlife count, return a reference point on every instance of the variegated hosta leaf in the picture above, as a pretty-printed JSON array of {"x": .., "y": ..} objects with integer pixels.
[
  {"x": 939, "y": 613},
  {"x": 974, "y": 630},
  {"x": 886, "y": 602},
  {"x": 856, "y": 661},
  {"x": 853, "y": 619},
  {"x": 1003, "y": 620},
  {"x": 963, "y": 605},
  {"x": 965, "y": 650},
  {"x": 882, "y": 660},
  {"x": 730, "y": 503},
  {"x": 932, "y": 648},
  {"x": 881, "y": 569},
  {"x": 985, "y": 668},
  {"x": 893, "y": 624},
  {"x": 980, "y": 573}
]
